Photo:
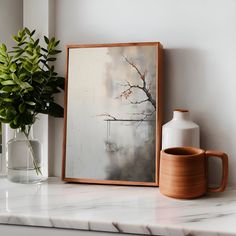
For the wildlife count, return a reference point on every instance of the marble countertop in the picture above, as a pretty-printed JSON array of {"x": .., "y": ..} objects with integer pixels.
[{"x": 137, "y": 210}]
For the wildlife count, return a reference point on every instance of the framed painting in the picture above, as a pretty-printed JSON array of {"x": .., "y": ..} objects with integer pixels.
[{"x": 112, "y": 128}]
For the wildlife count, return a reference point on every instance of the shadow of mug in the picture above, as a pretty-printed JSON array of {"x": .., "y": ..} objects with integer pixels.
[{"x": 184, "y": 175}]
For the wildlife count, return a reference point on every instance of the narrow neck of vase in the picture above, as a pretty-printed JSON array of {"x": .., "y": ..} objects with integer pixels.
[
  {"x": 181, "y": 115},
  {"x": 23, "y": 133}
]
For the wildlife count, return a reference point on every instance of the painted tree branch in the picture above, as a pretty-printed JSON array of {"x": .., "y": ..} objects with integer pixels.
[
  {"x": 146, "y": 116},
  {"x": 108, "y": 116},
  {"x": 129, "y": 91},
  {"x": 140, "y": 120},
  {"x": 142, "y": 76},
  {"x": 138, "y": 102},
  {"x": 126, "y": 93}
]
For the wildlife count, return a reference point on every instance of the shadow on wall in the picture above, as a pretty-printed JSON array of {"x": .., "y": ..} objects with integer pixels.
[
  {"x": 187, "y": 85},
  {"x": 184, "y": 78}
]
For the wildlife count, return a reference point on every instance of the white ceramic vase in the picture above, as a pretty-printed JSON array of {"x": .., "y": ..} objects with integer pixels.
[{"x": 180, "y": 131}]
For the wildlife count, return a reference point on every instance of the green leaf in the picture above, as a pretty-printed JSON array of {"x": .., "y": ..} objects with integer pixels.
[
  {"x": 43, "y": 61},
  {"x": 56, "y": 90},
  {"x": 8, "y": 100},
  {"x": 29, "y": 46},
  {"x": 36, "y": 43},
  {"x": 23, "y": 75},
  {"x": 8, "y": 82},
  {"x": 14, "y": 125},
  {"x": 3, "y": 112},
  {"x": 17, "y": 50},
  {"x": 55, "y": 109},
  {"x": 3, "y": 67},
  {"x": 47, "y": 66},
  {"x": 27, "y": 31},
  {"x": 51, "y": 59},
  {"x": 48, "y": 89},
  {"x": 10, "y": 112},
  {"x": 22, "y": 107},
  {"x": 3, "y": 48},
  {"x": 5, "y": 76},
  {"x": 32, "y": 33},
  {"x": 15, "y": 89},
  {"x": 20, "y": 34},
  {"x": 7, "y": 88},
  {"x": 27, "y": 86},
  {"x": 21, "y": 43},
  {"x": 19, "y": 54},
  {"x": 30, "y": 103},
  {"x": 26, "y": 119},
  {"x": 16, "y": 120},
  {"x": 16, "y": 38},
  {"x": 15, "y": 78},
  {"x": 34, "y": 69},
  {"x": 13, "y": 67},
  {"x": 46, "y": 39},
  {"x": 29, "y": 52},
  {"x": 2, "y": 92},
  {"x": 38, "y": 50},
  {"x": 27, "y": 67},
  {"x": 57, "y": 81},
  {"x": 38, "y": 80},
  {"x": 23, "y": 85},
  {"x": 2, "y": 58},
  {"x": 54, "y": 52},
  {"x": 57, "y": 42},
  {"x": 4, "y": 120},
  {"x": 45, "y": 50}
]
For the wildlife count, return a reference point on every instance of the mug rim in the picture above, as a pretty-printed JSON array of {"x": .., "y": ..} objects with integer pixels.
[{"x": 192, "y": 151}]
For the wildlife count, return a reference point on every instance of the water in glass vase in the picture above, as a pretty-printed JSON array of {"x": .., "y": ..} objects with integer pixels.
[{"x": 24, "y": 159}]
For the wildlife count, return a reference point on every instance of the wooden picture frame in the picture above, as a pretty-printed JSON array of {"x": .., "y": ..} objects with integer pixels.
[{"x": 113, "y": 114}]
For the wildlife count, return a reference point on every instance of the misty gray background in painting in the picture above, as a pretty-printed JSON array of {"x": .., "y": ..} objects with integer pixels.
[{"x": 106, "y": 137}]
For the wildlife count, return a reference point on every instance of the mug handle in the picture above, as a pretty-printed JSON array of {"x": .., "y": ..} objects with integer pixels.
[{"x": 224, "y": 159}]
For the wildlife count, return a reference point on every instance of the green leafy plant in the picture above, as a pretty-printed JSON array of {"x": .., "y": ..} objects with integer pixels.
[{"x": 28, "y": 81}]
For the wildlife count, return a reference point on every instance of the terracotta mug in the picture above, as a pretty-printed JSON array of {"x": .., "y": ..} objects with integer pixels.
[{"x": 183, "y": 172}]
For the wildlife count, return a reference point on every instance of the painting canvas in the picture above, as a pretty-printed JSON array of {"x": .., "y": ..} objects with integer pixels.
[{"x": 112, "y": 123}]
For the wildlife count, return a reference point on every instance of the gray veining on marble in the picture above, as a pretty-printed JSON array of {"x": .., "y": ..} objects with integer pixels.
[{"x": 137, "y": 210}]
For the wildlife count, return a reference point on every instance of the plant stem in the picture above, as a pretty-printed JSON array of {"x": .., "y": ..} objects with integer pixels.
[{"x": 36, "y": 167}]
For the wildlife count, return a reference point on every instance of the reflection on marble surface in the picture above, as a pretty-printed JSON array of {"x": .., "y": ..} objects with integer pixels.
[{"x": 138, "y": 210}]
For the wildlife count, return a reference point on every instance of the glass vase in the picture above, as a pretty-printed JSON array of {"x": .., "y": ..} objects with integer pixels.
[{"x": 24, "y": 161}]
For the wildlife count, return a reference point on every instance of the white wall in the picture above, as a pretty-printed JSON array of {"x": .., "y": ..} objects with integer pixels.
[
  {"x": 11, "y": 13},
  {"x": 11, "y": 20},
  {"x": 199, "y": 37}
]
